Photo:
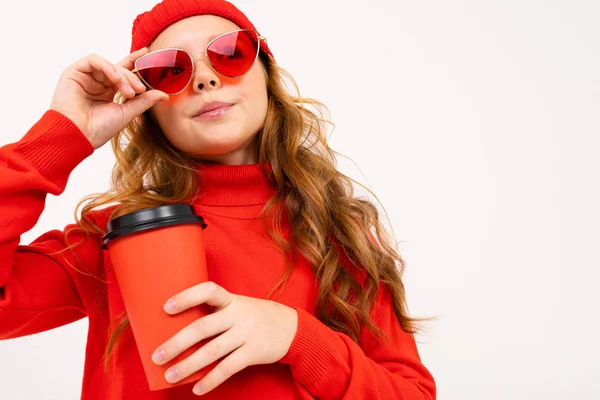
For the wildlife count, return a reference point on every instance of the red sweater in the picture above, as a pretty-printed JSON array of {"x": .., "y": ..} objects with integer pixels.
[{"x": 39, "y": 291}]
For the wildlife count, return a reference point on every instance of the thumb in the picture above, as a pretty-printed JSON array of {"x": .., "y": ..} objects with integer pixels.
[{"x": 137, "y": 105}]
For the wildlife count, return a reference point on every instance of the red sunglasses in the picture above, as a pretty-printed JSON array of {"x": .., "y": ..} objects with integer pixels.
[{"x": 170, "y": 70}]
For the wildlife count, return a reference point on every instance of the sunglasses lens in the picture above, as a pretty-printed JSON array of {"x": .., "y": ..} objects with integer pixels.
[
  {"x": 166, "y": 70},
  {"x": 234, "y": 54}
]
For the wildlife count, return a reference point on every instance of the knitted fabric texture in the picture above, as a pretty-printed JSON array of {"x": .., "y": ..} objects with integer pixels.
[{"x": 148, "y": 25}]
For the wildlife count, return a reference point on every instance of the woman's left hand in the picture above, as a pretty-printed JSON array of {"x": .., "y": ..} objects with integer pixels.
[{"x": 254, "y": 331}]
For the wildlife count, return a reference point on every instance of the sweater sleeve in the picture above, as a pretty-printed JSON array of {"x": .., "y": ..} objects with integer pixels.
[
  {"x": 330, "y": 365},
  {"x": 40, "y": 290}
]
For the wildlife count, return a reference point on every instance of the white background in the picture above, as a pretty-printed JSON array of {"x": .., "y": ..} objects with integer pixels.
[{"x": 475, "y": 123}]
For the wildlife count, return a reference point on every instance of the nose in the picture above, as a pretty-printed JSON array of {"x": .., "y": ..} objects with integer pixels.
[{"x": 204, "y": 76}]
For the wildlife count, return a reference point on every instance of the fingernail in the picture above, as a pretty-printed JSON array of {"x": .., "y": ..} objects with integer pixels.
[
  {"x": 159, "y": 356},
  {"x": 171, "y": 374},
  {"x": 198, "y": 389},
  {"x": 170, "y": 306},
  {"x": 139, "y": 85}
]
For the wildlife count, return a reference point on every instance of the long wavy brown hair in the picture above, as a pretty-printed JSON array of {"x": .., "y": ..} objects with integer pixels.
[{"x": 325, "y": 216}]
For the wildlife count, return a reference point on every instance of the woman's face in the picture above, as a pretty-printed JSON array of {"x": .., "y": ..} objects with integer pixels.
[{"x": 232, "y": 137}]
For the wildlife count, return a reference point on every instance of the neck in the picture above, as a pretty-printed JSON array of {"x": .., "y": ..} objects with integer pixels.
[
  {"x": 247, "y": 154},
  {"x": 234, "y": 184}
]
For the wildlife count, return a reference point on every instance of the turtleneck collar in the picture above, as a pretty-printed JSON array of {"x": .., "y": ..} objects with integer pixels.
[{"x": 233, "y": 185}]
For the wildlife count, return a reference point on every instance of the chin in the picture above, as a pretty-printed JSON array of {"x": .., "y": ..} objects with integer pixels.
[
  {"x": 213, "y": 141},
  {"x": 216, "y": 148}
]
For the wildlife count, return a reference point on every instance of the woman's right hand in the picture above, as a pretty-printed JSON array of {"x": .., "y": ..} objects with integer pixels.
[{"x": 85, "y": 93}]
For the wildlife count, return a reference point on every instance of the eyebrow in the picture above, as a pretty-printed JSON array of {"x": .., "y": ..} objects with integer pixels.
[{"x": 211, "y": 37}]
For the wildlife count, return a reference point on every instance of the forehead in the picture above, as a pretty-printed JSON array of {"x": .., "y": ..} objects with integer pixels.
[{"x": 193, "y": 32}]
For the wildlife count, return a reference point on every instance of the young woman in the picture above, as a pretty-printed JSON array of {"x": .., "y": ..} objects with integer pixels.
[{"x": 307, "y": 302}]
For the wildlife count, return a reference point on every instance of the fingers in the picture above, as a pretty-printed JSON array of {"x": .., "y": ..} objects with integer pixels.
[
  {"x": 129, "y": 60},
  {"x": 212, "y": 351},
  {"x": 102, "y": 71},
  {"x": 134, "y": 84},
  {"x": 201, "y": 329},
  {"x": 100, "y": 77},
  {"x": 133, "y": 79},
  {"x": 94, "y": 62},
  {"x": 118, "y": 75},
  {"x": 129, "y": 86},
  {"x": 139, "y": 104},
  {"x": 205, "y": 292},
  {"x": 125, "y": 67},
  {"x": 232, "y": 364},
  {"x": 89, "y": 84}
]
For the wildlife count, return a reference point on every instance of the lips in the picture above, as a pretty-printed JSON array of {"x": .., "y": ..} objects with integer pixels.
[{"x": 213, "y": 105}]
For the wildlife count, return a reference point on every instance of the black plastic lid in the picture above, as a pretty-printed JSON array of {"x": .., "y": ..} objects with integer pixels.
[{"x": 150, "y": 218}]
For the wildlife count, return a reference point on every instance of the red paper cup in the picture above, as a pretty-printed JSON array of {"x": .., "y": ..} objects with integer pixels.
[{"x": 157, "y": 253}]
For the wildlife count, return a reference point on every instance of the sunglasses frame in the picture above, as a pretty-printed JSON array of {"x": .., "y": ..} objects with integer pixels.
[{"x": 205, "y": 52}]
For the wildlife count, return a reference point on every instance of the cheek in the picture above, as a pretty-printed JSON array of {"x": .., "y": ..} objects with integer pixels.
[
  {"x": 256, "y": 99},
  {"x": 256, "y": 111},
  {"x": 161, "y": 111},
  {"x": 165, "y": 117}
]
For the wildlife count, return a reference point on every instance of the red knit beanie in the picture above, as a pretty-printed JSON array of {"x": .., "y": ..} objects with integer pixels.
[{"x": 148, "y": 25}]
